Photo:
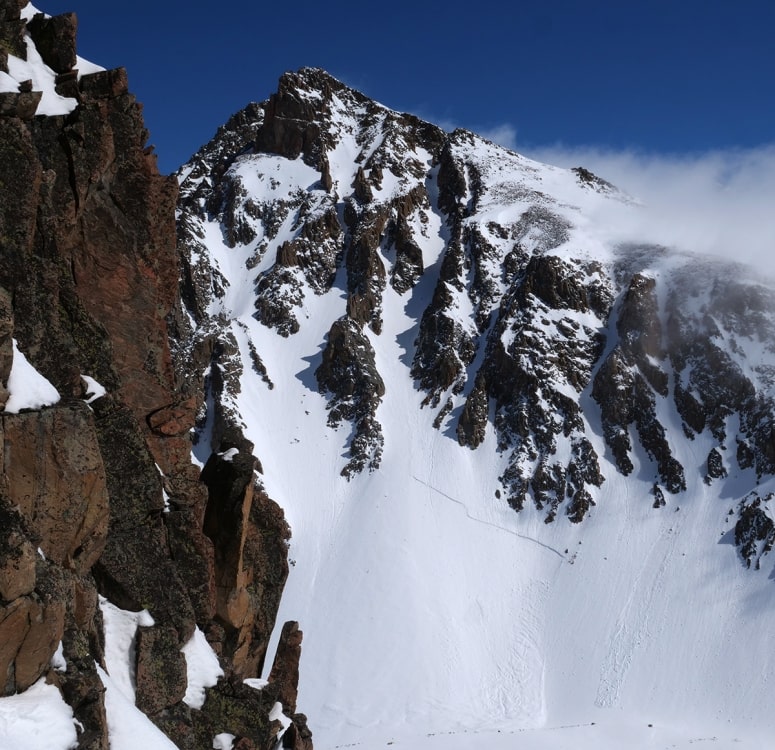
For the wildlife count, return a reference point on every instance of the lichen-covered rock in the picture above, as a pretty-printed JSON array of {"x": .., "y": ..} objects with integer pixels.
[
  {"x": 160, "y": 673},
  {"x": 54, "y": 39},
  {"x": 17, "y": 554},
  {"x": 233, "y": 707},
  {"x": 106, "y": 491}
]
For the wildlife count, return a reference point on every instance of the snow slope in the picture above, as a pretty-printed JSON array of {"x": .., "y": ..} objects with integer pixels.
[{"x": 434, "y": 616}]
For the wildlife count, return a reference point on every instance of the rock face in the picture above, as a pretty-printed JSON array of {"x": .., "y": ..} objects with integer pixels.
[
  {"x": 98, "y": 493},
  {"x": 573, "y": 360}
]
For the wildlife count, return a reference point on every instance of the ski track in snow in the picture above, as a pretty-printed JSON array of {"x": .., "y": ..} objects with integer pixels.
[{"x": 490, "y": 523}]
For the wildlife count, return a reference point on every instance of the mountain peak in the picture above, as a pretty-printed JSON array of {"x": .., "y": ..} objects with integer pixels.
[{"x": 444, "y": 335}]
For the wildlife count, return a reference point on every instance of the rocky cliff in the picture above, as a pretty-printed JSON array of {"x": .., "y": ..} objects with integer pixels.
[{"x": 98, "y": 494}]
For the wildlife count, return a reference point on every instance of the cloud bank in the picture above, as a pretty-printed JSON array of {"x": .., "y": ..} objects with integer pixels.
[{"x": 721, "y": 202}]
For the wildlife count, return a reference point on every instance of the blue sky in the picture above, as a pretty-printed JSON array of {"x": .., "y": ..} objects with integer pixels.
[
  {"x": 669, "y": 100},
  {"x": 659, "y": 77}
]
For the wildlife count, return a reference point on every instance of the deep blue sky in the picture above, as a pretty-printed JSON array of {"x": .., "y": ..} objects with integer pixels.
[{"x": 659, "y": 76}]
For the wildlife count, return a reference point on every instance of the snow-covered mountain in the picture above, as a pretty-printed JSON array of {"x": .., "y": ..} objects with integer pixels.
[
  {"x": 524, "y": 461},
  {"x": 527, "y": 467}
]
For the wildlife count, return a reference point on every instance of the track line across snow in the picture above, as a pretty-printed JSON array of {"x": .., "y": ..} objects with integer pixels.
[{"x": 490, "y": 523}]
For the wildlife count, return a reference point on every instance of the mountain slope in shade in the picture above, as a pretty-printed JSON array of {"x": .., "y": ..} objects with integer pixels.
[{"x": 527, "y": 467}]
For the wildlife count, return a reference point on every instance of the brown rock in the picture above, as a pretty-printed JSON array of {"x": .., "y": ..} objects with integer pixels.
[
  {"x": 298, "y": 735},
  {"x": 17, "y": 556},
  {"x": 47, "y": 625},
  {"x": 14, "y": 626},
  {"x": 230, "y": 485},
  {"x": 30, "y": 632},
  {"x": 249, "y": 535},
  {"x": 176, "y": 419},
  {"x": 6, "y": 344},
  {"x": 22, "y": 105},
  {"x": 66, "y": 84},
  {"x": 56, "y": 478},
  {"x": 106, "y": 84}
]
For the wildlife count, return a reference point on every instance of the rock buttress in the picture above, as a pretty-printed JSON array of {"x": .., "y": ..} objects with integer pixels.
[{"x": 103, "y": 497}]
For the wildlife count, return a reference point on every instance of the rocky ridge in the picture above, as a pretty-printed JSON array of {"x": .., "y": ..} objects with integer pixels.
[
  {"x": 577, "y": 357},
  {"x": 98, "y": 494}
]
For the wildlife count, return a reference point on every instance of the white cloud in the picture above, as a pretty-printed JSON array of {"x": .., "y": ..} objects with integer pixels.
[
  {"x": 721, "y": 202},
  {"x": 504, "y": 135}
]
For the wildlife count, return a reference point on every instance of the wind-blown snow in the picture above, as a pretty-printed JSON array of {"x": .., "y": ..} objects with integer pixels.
[
  {"x": 93, "y": 389},
  {"x": 223, "y": 741},
  {"x": 27, "y": 387},
  {"x": 120, "y": 628}
]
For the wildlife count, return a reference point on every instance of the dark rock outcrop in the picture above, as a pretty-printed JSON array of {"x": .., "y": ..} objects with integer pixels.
[
  {"x": 349, "y": 374},
  {"x": 755, "y": 528}
]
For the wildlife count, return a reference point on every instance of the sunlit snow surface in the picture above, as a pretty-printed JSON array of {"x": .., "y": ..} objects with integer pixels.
[
  {"x": 37, "y": 719},
  {"x": 434, "y": 616}
]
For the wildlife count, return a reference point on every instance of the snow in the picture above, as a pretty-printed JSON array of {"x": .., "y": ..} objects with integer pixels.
[
  {"x": 276, "y": 714},
  {"x": 27, "y": 387},
  {"x": 58, "y": 661},
  {"x": 93, "y": 389},
  {"x": 223, "y": 741},
  {"x": 202, "y": 668},
  {"x": 37, "y": 719},
  {"x": 128, "y": 727}
]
